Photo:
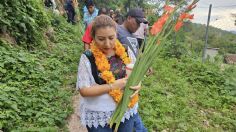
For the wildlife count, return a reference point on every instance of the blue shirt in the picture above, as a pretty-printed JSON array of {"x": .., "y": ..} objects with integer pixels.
[
  {"x": 88, "y": 18},
  {"x": 127, "y": 39}
]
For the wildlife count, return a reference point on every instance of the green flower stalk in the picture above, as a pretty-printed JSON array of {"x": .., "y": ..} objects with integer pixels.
[{"x": 160, "y": 31}]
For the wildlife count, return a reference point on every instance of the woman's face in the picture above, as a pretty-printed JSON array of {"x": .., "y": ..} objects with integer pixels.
[{"x": 105, "y": 39}]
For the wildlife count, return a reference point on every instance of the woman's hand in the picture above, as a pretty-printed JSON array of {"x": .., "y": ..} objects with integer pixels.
[
  {"x": 136, "y": 88},
  {"x": 120, "y": 83}
]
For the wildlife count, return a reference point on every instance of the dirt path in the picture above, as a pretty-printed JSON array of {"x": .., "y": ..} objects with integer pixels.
[{"x": 74, "y": 122}]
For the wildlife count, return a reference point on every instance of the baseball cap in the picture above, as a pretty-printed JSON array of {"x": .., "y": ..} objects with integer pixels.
[{"x": 138, "y": 14}]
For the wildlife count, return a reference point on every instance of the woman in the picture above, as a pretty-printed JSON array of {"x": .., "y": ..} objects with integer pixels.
[{"x": 101, "y": 79}]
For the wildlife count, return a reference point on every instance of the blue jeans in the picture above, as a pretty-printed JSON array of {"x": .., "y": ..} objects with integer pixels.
[
  {"x": 134, "y": 123},
  {"x": 138, "y": 124}
]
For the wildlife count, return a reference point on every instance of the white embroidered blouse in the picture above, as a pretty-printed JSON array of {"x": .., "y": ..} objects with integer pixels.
[{"x": 97, "y": 110}]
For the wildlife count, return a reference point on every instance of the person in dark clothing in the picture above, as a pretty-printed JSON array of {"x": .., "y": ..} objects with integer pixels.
[
  {"x": 131, "y": 24},
  {"x": 70, "y": 10},
  {"x": 118, "y": 18},
  {"x": 48, "y": 3}
]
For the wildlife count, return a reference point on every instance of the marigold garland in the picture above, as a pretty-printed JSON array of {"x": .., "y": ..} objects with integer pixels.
[{"x": 104, "y": 67}]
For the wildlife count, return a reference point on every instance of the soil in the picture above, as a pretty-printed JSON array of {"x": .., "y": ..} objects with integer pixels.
[{"x": 74, "y": 124}]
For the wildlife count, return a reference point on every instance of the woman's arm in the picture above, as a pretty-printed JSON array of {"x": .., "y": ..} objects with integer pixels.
[
  {"x": 97, "y": 90},
  {"x": 86, "y": 84}
]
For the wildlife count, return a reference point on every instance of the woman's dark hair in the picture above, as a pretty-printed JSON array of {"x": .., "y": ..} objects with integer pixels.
[{"x": 101, "y": 22}]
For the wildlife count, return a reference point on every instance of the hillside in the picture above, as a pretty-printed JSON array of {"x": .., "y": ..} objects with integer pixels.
[
  {"x": 217, "y": 38},
  {"x": 36, "y": 82},
  {"x": 186, "y": 95}
]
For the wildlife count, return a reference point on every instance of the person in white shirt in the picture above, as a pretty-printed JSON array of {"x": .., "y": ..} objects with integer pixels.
[
  {"x": 141, "y": 33},
  {"x": 97, "y": 104}
]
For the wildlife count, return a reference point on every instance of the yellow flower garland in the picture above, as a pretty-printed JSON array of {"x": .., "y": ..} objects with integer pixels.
[{"x": 104, "y": 67}]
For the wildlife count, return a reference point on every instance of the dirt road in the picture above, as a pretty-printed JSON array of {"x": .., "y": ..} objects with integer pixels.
[{"x": 74, "y": 122}]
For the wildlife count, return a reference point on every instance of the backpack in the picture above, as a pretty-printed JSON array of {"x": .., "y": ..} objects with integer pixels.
[{"x": 94, "y": 68}]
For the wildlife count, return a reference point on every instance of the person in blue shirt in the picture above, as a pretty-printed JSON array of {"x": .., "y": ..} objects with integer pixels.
[{"x": 90, "y": 12}]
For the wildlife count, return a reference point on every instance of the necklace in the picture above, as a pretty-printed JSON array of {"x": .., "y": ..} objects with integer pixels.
[{"x": 104, "y": 67}]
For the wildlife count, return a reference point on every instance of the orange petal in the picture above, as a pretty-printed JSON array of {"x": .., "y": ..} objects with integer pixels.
[
  {"x": 168, "y": 9},
  {"x": 191, "y": 16},
  {"x": 184, "y": 16},
  {"x": 158, "y": 25},
  {"x": 190, "y": 7},
  {"x": 178, "y": 25}
]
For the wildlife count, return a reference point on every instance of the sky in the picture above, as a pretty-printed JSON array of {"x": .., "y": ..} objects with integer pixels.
[{"x": 220, "y": 14}]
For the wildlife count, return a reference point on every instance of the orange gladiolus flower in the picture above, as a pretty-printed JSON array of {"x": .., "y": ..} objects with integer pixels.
[
  {"x": 191, "y": 16},
  {"x": 158, "y": 25},
  {"x": 178, "y": 25},
  {"x": 184, "y": 16},
  {"x": 168, "y": 9},
  {"x": 190, "y": 7}
]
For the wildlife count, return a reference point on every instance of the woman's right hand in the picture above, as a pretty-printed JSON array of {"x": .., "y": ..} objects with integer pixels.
[{"x": 120, "y": 83}]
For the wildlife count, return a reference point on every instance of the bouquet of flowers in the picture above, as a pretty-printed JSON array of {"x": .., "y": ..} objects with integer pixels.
[{"x": 171, "y": 21}]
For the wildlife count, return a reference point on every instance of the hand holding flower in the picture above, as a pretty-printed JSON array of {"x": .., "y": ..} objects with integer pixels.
[
  {"x": 120, "y": 83},
  {"x": 136, "y": 88}
]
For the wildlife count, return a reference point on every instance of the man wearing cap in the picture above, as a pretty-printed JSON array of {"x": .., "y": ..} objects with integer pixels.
[
  {"x": 124, "y": 34},
  {"x": 90, "y": 12},
  {"x": 131, "y": 24}
]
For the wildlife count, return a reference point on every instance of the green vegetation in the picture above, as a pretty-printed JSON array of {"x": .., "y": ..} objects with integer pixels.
[
  {"x": 195, "y": 36},
  {"x": 37, "y": 76},
  {"x": 24, "y": 20},
  {"x": 186, "y": 95},
  {"x": 33, "y": 85}
]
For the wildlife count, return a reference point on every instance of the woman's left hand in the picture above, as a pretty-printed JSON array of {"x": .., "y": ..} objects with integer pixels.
[{"x": 136, "y": 88}]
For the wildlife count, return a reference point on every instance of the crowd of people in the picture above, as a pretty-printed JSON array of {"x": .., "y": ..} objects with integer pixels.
[
  {"x": 71, "y": 9},
  {"x": 111, "y": 41}
]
